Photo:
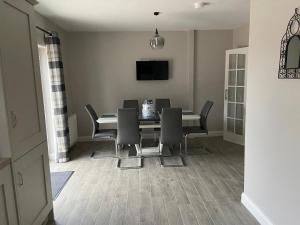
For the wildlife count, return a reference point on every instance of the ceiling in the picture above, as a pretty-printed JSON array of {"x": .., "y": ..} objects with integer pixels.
[{"x": 137, "y": 15}]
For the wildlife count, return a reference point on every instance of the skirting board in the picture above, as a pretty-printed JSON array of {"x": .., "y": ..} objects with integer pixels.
[
  {"x": 255, "y": 211},
  {"x": 150, "y": 136}
]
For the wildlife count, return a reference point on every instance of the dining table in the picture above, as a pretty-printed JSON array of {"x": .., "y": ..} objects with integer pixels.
[{"x": 147, "y": 122}]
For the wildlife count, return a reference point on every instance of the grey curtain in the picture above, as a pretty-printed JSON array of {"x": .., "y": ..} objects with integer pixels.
[{"x": 58, "y": 97}]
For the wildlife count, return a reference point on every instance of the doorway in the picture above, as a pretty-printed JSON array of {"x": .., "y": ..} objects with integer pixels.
[{"x": 47, "y": 98}]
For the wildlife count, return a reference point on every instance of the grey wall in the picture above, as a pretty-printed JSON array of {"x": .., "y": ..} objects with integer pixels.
[
  {"x": 102, "y": 66},
  {"x": 272, "y": 144},
  {"x": 103, "y": 70},
  {"x": 210, "y": 47}
]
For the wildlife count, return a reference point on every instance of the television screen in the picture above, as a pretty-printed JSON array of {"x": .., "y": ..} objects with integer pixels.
[{"x": 152, "y": 70}]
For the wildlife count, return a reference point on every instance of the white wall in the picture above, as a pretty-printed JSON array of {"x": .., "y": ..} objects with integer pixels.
[
  {"x": 241, "y": 37},
  {"x": 272, "y": 157}
]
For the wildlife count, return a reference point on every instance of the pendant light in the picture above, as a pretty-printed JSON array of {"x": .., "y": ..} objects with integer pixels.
[{"x": 157, "y": 42}]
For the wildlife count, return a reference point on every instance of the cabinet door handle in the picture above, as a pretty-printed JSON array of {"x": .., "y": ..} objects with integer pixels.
[
  {"x": 13, "y": 119},
  {"x": 21, "y": 182}
]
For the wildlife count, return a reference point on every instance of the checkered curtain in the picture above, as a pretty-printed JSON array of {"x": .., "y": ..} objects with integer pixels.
[{"x": 58, "y": 97}]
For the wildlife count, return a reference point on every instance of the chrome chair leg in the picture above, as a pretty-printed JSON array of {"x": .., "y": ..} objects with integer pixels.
[
  {"x": 116, "y": 148},
  {"x": 138, "y": 149},
  {"x": 141, "y": 141},
  {"x": 180, "y": 149},
  {"x": 160, "y": 148},
  {"x": 185, "y": 143}
]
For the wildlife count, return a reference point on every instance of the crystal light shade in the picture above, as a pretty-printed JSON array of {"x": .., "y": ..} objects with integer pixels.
[{"x": 157, "y": 42}]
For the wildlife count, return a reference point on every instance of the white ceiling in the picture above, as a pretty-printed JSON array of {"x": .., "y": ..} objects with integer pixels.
[{"x": 137, "y": 15}]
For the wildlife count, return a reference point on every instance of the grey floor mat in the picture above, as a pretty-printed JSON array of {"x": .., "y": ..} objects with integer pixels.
[{"x": 58, "y": 181}]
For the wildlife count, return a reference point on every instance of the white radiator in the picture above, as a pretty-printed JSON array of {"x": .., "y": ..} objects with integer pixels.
[{"x": 73, "y": 129}]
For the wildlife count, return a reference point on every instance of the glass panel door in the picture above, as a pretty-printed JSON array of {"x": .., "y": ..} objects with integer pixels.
[{"x": 235, "y": 86}]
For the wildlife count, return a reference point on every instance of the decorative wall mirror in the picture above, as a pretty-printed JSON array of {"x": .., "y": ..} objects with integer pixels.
[{"x": 289, "y": 65}]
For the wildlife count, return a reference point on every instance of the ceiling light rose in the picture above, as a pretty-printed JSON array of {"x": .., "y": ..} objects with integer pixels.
[
  {"x": 157, "y": 42},
  {"x": 200, "y": 5}
]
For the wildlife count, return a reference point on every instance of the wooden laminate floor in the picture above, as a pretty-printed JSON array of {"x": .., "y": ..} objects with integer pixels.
[{"x": 206, "y": 191}]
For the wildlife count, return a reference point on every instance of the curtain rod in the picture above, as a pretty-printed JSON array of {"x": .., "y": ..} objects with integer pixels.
[{"x": 45, "y": 31}]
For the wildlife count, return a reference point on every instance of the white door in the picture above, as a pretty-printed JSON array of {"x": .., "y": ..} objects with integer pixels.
[
  {"x": 21, "y": 78},
  {"x": 235, "y": 95}
]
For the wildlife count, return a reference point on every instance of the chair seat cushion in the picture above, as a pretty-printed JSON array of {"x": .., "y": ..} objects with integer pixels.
[
  {"x": 112, "y": 133},
  {"x": 193, "y": 130}
]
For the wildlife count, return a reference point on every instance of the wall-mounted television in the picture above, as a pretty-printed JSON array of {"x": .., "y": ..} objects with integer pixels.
[{"x": 152, "y": 70}]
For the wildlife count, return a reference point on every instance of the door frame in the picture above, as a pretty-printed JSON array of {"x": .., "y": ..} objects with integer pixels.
[
  {"x": 48, "y": 105},
  {"x": 229, "y": 136}
]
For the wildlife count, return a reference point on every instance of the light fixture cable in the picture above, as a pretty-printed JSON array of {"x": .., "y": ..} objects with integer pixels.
[{"x": 157, "y": 42}]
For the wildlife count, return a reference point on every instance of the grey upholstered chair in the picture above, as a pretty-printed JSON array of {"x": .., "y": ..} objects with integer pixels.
[
  {"x": 131, "y": 104},
  {"x": 202, "y": 127},
  {"x": 171, "y": 128},
  {"x": 161, "y": 103},
  {"x": 96, "y": 131},
  {"x": 128, "y": 128}
]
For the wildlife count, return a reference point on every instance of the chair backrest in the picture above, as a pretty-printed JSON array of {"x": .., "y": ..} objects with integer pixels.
[
  {"x": 204, "y": 114},
  {"x": 93, "y": 116},
  {"x": 128, "y": 127},
  {"x": 171, "y": 126},
  {"x": 161, "y": 103},
  {"x": 130, "y": 104}
]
